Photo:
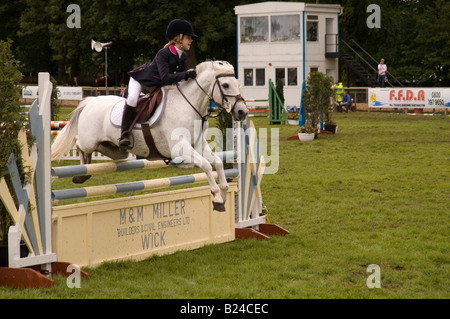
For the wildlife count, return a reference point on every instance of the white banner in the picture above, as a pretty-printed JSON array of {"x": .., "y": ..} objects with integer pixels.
[
  {"x": 70, "y": 93},
  {"x": 64, "y": 92},
  {"x": 409, "y": 97},
  {"x": 30, "y": 92}
]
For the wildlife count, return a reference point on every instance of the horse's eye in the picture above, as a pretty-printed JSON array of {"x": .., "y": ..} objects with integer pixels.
[{"x": 225, "y": 86}]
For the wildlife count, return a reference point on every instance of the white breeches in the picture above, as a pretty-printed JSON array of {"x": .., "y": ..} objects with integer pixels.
[{"x": 134, "y": 90}]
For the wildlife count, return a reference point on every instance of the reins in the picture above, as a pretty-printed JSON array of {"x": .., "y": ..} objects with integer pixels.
[{"x": 203, "y": 117}]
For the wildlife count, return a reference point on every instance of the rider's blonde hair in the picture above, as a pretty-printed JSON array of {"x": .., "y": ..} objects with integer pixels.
[{"x": 176, "y": 39}]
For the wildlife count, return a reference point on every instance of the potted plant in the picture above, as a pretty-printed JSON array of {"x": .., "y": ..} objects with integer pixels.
[
  {"x": 330, "y": 125},
  {"x": 316, "y": 98},
  {"x": 292, "y": 116},
  {"x": 306, "y": 133}
]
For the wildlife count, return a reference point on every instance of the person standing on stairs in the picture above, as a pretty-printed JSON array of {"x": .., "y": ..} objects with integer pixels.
[{"x": 382, "y": 68}]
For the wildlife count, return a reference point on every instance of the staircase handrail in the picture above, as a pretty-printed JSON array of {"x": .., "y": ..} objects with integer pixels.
[
  {"x": 370, "y": 66},
  {"x": 390, "y": 74}
]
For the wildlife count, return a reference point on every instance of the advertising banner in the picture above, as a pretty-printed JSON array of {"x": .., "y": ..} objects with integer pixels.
[
  {"x": 409, "y": 97},
  {"x": 64, "y": 93}
]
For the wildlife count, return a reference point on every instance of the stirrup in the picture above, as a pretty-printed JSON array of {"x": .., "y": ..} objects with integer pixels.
[{"x": 125, "y": 142}]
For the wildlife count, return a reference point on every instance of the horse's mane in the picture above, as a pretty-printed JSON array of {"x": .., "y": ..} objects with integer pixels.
[{"x": 218, "y": 66}]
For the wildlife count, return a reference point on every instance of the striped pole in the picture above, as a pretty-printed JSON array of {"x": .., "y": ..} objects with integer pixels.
[
  {"x": 112, "y": 167},
  {"x": 51, "y": 132},
  {"x": 112, "y": 189},
  {"x": 58, "y": 124}
]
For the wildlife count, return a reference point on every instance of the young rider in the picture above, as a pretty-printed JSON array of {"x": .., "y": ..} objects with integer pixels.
[{"x": 168, "y": 67}]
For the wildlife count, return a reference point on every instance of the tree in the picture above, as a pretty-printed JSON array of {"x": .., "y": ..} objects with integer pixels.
[
  {"x": 11, "y": 120},
  {"x": 33, "y": 45},
  {"x": 433, "y": 44},
  {"x": 413, "y": 38},
  {"x": 316, "y": 97}
]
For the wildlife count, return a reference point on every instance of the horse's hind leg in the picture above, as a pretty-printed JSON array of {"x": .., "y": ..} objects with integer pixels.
[{"x": 85, "y": 158}]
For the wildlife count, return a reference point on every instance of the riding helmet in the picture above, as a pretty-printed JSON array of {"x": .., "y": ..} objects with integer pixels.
[{"x": 179, "y": 26}]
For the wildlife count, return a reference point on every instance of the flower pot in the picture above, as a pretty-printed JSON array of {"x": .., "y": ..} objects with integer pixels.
[
  {"x": 331, "y": 128},
  {"x": 292, "y": 122},
  {"x": 304, "y": 137}
]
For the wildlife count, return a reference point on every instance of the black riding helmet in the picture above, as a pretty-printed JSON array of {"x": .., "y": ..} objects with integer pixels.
[{"x": 179, "y": 26}]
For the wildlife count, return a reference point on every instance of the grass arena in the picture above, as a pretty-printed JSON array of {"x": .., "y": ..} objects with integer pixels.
[{"x": 377, "y": 192}]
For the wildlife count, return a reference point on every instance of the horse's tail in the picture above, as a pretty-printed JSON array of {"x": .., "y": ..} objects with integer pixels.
[{"x": 67, "y": 137}]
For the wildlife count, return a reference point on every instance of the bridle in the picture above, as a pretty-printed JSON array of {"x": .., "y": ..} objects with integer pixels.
[{"x": 237, "y": 97}]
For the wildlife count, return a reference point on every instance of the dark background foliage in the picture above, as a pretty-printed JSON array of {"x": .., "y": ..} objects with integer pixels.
[{"x": 413, "y": 38}]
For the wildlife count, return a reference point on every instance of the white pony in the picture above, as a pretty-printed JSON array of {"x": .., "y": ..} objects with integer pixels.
[{"x": 91, "y": 129}]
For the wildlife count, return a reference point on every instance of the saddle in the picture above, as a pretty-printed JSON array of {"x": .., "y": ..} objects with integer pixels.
[{"x": 146, "y": 106}]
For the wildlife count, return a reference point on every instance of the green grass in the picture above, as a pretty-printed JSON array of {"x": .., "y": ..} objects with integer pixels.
[{"x": 377, "y": 192}]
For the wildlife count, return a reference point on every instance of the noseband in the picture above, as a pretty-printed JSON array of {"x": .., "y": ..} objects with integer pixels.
[{"x": 237, "y": 97}]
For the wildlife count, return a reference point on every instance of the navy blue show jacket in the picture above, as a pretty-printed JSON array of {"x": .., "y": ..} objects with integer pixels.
[{"x": 165, "y": 69}]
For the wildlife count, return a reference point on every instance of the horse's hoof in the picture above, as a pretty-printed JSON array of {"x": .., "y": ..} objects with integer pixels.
[
  {"x": 80, "y": 179},
  {"x": 220, "y": 207}
]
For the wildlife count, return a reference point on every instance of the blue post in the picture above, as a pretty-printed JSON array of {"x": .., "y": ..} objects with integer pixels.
[
  {"x": 321, "y": 121},
  {"x": 301, "y": 113}
]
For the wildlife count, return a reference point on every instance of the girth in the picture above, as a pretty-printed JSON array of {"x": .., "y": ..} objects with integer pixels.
[{"x": 154, "y": 153}]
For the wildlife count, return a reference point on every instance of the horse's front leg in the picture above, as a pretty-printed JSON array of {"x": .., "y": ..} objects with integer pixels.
[
  {"x": 190, "y": 155},
  {"x": 216, "y": 161}
]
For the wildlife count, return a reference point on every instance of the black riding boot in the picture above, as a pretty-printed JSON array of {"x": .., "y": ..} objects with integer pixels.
[{"x": 127, "y": 120}]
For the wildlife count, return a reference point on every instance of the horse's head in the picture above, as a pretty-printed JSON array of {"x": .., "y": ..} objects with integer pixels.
[{"x": 226, "y": 89}]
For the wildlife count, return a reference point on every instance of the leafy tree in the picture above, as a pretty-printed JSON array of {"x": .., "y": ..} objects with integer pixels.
[
  {"x": 33, "y": 46},
  {"x": 10, "y": 119},
  {"x": 413, "y": 38},
  {"x": 316, "y": 97},
  {"x": 432, "y": 44}
]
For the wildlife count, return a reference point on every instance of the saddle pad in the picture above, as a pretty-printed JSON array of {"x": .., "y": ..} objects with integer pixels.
[{"x": 117, "y": 111}]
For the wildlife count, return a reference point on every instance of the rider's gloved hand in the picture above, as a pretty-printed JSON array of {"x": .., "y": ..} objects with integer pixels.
[{"x": 191, "y": 73}]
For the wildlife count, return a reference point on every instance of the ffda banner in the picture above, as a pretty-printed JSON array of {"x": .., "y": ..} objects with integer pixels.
[{"x": 409, "y": 97}]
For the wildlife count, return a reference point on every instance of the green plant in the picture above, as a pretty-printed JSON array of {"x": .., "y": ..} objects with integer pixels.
[
  {"x": 293, "y": 115},
  {"x": 11, "y": 122},
  {"x": 316, "y": 97},
  {"x": 306, "y": 129},
  {"x": 224, "y": 121},
  {"x": 55, "y": 102}
]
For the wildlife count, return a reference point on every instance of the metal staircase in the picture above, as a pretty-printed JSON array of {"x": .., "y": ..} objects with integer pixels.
[
  {"x": 355, "y": 59},
  {"x": 368, "y": 78}
]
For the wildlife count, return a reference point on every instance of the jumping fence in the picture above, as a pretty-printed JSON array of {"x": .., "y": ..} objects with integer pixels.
[{"x": 132, "y": 227}]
